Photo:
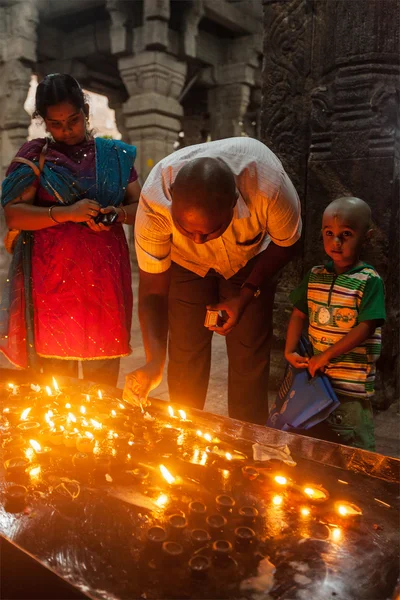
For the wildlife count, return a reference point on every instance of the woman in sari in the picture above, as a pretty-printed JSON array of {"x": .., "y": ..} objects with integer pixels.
[{"x": 68, "y": 296}]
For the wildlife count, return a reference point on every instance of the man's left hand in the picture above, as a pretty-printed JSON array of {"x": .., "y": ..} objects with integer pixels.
[
  {"x": 233, "y": 308},
  {"x": 317, "y": 363}
]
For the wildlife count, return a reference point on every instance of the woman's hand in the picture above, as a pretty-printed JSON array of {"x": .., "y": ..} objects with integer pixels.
[
  {"x": 297, "y": 361},
  {"x": 83, "y": 211}
]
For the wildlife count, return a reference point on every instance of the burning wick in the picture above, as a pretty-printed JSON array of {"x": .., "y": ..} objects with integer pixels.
[
  {"x": 277, "y": 500},
  {"x": 281, "y": 480},
  {"x": 100, "y": 395},
  {"x": 82, "y": 410},
  {"x": 48, "y": 390},
  {"x": 68, "y": 405},
  {"x": 71, "y": 418},
  {"x": 35, "y": 445},
  {"x": 336, "y": 534},
  {"x": 171, "y": 411},
  {"x": 55, "y": 385},
  {"x": 305, "y": 512},
  {"x": 167, "y": 475},
  {"x": 182, "y": 415},
  {"x": 25, "y": 414}
]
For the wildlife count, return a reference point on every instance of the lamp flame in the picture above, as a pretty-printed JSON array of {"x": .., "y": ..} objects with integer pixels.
[
  {"x": 55, "y": 385},
  {"x": 162, "y": 500},
  {"x": 204, "y": 457},
  {"x": 100, "y": 395},
  {"x": 71, "y": 418},
  {"x": 281, "y": 480},
  {"x": 96, "y": 424},
  {"x": 228, "y": 455},
  {"x": 25, "y": 413},
  {"x": 171, "y": 411},
  {"x": 167, "y": 475},
  {"x": 83, "y": 410},
  {"x": 48, "y": 390},
  {"x": 113, "y": 413},
  {"x": 277, "y": 500},
  {"x": 29, "y": 453},
  {"x": 35, "y": 445},
  {"x": 208, "y": 437},
  {"x": 305, "y": 512},
  {"x": 182, "y": 415},
  {"x": 89, "y": 435}
]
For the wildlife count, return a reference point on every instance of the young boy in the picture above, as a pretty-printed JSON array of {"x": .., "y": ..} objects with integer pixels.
[{"x": 345, "y": 307}]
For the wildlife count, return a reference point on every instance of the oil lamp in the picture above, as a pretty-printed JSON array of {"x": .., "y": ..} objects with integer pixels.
[
  {"x": 156, "y": 536},
  {"x": 140, "y": 474},
  {"x": 225, "y": 503},
  {"x": 15, "y": 496},
  {"x": 29, "y": 427},
  {"x": 244, "y": 537},
  {"x": 199, "y": 566},
  {"x": 42, "y": 453},
  {"x": 248, "y": 513},
  {"x": 197, "y": 511},
  {"x": 177, "y": 524},
  {"x": 172, "y": 552},
  {"x": 102, "y": 463},
  {"x": 16, "y": 465},
  {"x": 315, "y": 494},
  {"x": 82, "y": 461},
  {"x": 345, "y": 509},
  {"x": 85, "y": 443},
  {"x": 216, "y": 524},
  {"x": 221, "y": 551},
  {"x": 250, "y": 473},
  {"x": 199, "y": 537}
]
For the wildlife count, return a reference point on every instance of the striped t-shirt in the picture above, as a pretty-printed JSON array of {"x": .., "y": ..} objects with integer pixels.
[{"x": 335, "y": 303}]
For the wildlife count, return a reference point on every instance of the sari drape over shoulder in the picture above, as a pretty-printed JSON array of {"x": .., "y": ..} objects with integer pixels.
[{"x": 68, "y": 293}]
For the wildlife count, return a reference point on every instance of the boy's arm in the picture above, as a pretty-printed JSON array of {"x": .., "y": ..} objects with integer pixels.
[
  {"x": 295, "y": 328},
  {"x": 351, "y": 340}
]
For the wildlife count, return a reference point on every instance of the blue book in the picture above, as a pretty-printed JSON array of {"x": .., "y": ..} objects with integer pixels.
[{"x": 302, "y": 401}]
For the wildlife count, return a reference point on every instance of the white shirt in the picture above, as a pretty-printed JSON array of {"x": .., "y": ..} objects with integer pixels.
[{"x": 267, "y": 209}]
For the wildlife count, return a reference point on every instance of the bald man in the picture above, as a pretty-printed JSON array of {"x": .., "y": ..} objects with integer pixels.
[{"x": 215, "y": 224}]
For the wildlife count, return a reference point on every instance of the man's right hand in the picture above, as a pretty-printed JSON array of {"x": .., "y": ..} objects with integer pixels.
[
  {"x": 83, "y": 211},
  {"x": 297, "y": 361},
  {"x": 140, "y": 383}
]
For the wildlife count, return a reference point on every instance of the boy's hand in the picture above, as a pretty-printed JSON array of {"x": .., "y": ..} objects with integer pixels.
[
  {"x": 317, "y": 363},
  {"x": 297, "y": 361}
]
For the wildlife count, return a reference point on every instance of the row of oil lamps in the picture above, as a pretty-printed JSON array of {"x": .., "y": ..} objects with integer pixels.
[{"x": 62, "y": 429}]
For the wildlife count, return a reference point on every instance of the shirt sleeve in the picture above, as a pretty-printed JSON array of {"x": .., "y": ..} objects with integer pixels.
[
  {"x": 284, "y": 215},
  {"x": 372, "y": 305},
  {"x": 299, "y": 295},
  {"x": 152, "y": 238}
]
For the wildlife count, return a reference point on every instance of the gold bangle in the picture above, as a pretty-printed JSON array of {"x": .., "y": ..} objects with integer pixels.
[
  {"x": 51, "y": 214},
  {"x": 125, "y": 214}
]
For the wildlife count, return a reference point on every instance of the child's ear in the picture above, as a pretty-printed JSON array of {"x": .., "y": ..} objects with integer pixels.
[{"x": 369, "y": 235}]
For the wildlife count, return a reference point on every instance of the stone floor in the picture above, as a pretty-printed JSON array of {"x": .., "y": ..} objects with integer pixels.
[{"x": 387, "y": 430}]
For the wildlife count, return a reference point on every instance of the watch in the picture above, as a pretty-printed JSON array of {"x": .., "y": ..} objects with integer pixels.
[{"x": 254, "y": 288}]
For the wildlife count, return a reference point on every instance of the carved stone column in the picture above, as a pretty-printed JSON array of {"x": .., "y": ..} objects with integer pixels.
[
  {"x": 18, "y": 23},
  {"x": 286, "y": 84},
  {"x": 154, "y": 81}
]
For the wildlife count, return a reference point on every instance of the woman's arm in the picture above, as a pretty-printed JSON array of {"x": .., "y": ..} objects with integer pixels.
[{"x": 22, "y": 214}]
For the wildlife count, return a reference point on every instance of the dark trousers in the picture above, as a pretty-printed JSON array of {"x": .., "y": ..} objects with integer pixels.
[
  {"x": 248, "y": 345},
  {"x": 103, "y": 371}
]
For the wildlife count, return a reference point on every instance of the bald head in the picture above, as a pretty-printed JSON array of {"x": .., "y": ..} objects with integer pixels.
[
  {"x": 352, "y": 210},
  {"x": 203, "y": 198},
  {"x": 205, "y": 184}
]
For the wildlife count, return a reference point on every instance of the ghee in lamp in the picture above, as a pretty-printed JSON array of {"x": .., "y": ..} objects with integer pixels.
[
  {"x": 315, "y": 494},
  {"x": 345, "y": 509}
]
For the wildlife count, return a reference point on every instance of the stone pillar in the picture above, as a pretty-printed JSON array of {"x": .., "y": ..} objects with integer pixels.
[
  {"x": 18, "y": 23},
  {"x": 285, "y": 110},
  {"x": 154, "y": 81},
  {"x": 334, "y": 122}
]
